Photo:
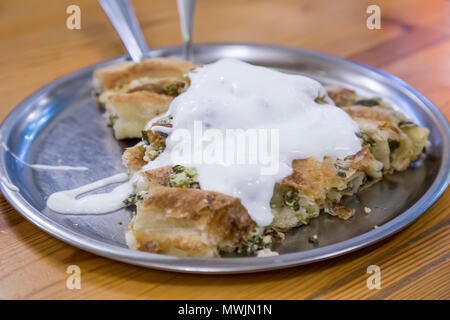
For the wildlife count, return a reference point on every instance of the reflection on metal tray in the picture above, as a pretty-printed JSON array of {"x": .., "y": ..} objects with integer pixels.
[{"x": 61, "y": 122}]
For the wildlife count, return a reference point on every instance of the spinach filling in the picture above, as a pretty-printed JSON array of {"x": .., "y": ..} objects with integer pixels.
[
  {"x": 133, "y": 198},
  {"x": 291, "y": 200},
  {"x": 321, "y": 100},
  {"x": 183, "y": 177},
  {"x": 145, "y": 137},
  {"x": 341, "y": 170},
  {"x": 369, "y": 102},
  {"x": 393, "y": 145},
  {"x": 366, "y": 139},
  {"x": 258, "y": 241},
  {"x": 152, "y": 152},
  {"x": 154, "y": 145},
  {"x": 174, "y": 89}
]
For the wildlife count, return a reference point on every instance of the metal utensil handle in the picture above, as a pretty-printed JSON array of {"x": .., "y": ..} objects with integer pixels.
[
  {"x": 186, "y": 9},
  {"x": 123, "y": 18}
]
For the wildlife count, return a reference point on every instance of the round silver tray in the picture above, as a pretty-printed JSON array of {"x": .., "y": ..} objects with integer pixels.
[{"x": 61, "y": 122}]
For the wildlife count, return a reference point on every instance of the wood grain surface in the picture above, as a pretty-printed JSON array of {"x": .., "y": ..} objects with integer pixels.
[{"x": 413, "y": 44}]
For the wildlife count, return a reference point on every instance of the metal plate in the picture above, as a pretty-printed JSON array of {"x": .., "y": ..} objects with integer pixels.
[{"x": 61, "y": 122}]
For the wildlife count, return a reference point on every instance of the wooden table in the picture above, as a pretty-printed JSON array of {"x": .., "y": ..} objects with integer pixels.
[{"x": 413, "y": 44}]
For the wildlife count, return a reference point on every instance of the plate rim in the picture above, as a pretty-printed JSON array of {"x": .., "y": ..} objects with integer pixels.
[{"x": 239, "y": 264}]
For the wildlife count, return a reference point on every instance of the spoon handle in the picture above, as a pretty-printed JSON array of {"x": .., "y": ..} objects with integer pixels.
[
  {"x": 186, "y": 9},
  {"x": 123, "y": 18}
]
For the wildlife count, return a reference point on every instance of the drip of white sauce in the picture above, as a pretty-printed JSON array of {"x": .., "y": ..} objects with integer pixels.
[
  {"x": 13, "y": 187},
  {"x": 43, "y": 166},
  {"x": 8, "y": 184},
  {"x": 68, "y": 201},
  {"x": 56, "y": 168},
  {"x": 231, "y": 94}
]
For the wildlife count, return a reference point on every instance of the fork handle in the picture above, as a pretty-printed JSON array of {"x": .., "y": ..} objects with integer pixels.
[
  {"x": 123, "y": 18},
  {"x": 186, "y": 9}
]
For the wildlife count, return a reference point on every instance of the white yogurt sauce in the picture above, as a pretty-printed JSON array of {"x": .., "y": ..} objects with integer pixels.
[
  {"x": 43, "y": 166},
  {"x": 231, "y": 94},
  {"x": 68, "y": 201}
]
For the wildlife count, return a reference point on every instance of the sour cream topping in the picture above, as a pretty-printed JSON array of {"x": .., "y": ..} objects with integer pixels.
[{"x": 231, "y": 94}]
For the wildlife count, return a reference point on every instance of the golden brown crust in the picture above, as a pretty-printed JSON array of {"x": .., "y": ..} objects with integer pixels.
[
  {"x": 341, "y": 96},
  {"x": 192, "y": 222},
  {"x": 135, "y": 93},
  {"x": 166, "y": 87},
  {"x": 324, "y": 183},
  {"x": 120, "y": 74},
  {"x": 221, "y": 215},
  {"x": 133, "y": 158},
  {"x": 339, "y": 210},
  {"x": 314, "y": 178},
  {"x": 376, "y": 124},
  {"x": 138, "y": 97},
  {"x": 311, "y": 177},
  {"x": 159, "y": 176},
  {"x": 361, "y": 160},
  {"x": 395, "y": 147},
  {"x": 372, "y": 113},
  {"x": 134, "y": 110}
]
